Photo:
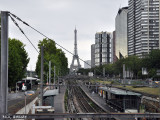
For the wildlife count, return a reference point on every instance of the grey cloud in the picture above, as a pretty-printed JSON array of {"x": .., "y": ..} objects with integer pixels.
[{"x": 57, "y": 19}]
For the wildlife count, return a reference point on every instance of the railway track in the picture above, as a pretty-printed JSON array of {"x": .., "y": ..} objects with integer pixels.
[{"x": 85, "y": 104}]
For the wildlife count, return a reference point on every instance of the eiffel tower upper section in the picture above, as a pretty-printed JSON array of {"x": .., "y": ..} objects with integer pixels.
[{"x": 74, "y": 68}]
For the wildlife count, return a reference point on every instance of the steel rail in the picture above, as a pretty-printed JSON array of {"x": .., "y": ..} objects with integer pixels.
[{"x": 78, "y": 98}]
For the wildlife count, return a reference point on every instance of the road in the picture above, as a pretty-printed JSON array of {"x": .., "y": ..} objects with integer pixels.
[{"x": 14, "y": 98}]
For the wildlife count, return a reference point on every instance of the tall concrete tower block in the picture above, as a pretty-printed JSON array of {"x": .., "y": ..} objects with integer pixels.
[{"x": 143, "y": 27}]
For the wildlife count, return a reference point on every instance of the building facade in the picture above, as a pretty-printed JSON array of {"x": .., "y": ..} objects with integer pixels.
[
  {"x": 102, "y": 48},
  {"x": 92, "y": 55},
  {"x": 113, "y": 44},
  {"x": 121, "y": 33},
  {"x": 87, "y": 64},
  {"x": 143, "y": 26}
]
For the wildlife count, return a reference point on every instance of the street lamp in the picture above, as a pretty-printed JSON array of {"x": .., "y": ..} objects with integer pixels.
[
  {"x": 28, "y": 93},
  {"x": 16, "y": 87},
  {"x": 24, "y": 88}
]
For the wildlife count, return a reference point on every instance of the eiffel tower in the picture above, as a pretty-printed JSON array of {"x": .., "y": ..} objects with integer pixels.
[{"x": 74, "y": 68}]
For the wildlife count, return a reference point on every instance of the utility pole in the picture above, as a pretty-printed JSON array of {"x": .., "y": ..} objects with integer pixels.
[
  {"x": 94, "y": 72},
  {"x": 103, "y": 72},
  {"x": 54, "y": 75},
  {"x": 41, "y": 98},
  {"x": 47, "y": 78},
  {"x": 124, "y": 73},
  {"x": 58, "y": 82},
  {"x": 4, "y": 63},
  {"x": 31, "y": 77},
  {"x": 49, "y": 74},
  {"x": 31, "y": 72}
]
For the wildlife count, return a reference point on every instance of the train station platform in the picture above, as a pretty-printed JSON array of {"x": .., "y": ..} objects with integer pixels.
[
  {"x": 100, "y": 101},
  {"x": 59, "y": 102},
  {"x": 97, "y": 99}
]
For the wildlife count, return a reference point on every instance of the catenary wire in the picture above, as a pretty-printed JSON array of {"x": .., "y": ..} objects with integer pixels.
[
  {"x": 47, "y": 37},
  {"x": 14, "y": 21},
  {"x": 23, "y": 33}
]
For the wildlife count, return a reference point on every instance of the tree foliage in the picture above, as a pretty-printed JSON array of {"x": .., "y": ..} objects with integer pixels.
[
  {"x": 83, "y": 71},
  {"x": 17, "y": 63},
  {"x": 0, "y": 26},
  {"x": 152, "y": 60},
  {"x": 53, "y": 54},
  {"x": 133, "y": 64}
]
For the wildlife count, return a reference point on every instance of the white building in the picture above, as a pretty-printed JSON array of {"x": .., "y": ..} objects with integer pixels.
[
  {"x": 103, "y": 48},
  {"x": 92, "y": 55},
  {"x": 121, "y": 33},
  {"x": 143, "y": 26},
  {"x": 87, "y": 64}
]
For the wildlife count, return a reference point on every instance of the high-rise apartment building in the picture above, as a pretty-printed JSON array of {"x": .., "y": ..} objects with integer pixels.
[
  {"x": 121, "y": 33},
  {"x": 143, "y": 26},
  {"x": 92, "y": 55},
  {"x": 102, "y": 48},
  {"x": 113, "y": 44}
]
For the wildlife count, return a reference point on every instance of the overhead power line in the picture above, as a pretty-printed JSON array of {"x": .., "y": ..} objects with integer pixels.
[
  {"x": 11, "y": 14},
  {"x": 23, "y": 32},
  {"x": 14, "y": 21}
]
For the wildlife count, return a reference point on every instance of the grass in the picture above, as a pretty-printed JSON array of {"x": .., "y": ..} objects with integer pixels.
[
  {"x": 153, "y": 91},
  {"x": 100, "y": 81},
  {"x": 148, "y": 90}
]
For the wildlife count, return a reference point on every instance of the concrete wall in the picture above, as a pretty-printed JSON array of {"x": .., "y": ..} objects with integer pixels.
[{"x": 28, "y": 107}]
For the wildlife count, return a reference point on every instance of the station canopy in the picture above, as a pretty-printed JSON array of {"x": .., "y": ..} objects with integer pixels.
[
  {"x": 51, "y": 93},
  {"x": 117, "y": 91},
  {"x": 30, "y": 79}
]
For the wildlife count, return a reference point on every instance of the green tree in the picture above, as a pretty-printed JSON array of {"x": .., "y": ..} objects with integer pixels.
[
  {"x": 17, "y": 63},
  {"x": 0, "y": 26},
  {"x": 154, "y": 58},
  {"x": 63, "y": 61},
  {"x": 56, "y": 56},
  {"x": 133, "y": 64},
  {"x": 151, "y": 62},
  {"x": 118, "y": 67},
  {"x": 108, "y": 69},
  {"x": 83, "y": 71},
  {"x": 0, "y": 32}
]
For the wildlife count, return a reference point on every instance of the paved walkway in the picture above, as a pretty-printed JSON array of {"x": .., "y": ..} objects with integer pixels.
[
  {"x": 97, "y": 99},
  {"x": 59, "y": 102}
]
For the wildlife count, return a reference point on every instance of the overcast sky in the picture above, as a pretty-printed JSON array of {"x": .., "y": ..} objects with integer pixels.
[{"x": 57, "y": 19}]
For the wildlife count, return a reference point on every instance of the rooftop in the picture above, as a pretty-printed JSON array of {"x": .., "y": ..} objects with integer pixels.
[
  {"x": 29, "y": 78},
  {"x": 121, "y": 9},
  {"x": 119, "y": 91},
  {"x": 51, "y": 93}
]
